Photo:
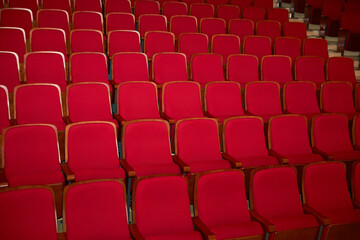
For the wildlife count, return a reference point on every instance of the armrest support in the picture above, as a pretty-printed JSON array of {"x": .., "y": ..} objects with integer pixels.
[
  {"x": 234, "y": 162},
  {"x": 183, "y": 165},
  {"x": 323, "y": 154},
  {"x": 307, "y": 14},
  {"x": 323, "y": 220},
  {"x": 207, "y": 114},
  {"x": 167, "y": 118},
  {"x": 61, "y": 236},
  {"x": 281, "y": 158},
  {"x": 69, "y": 175},
  {"x": 269, "y": 227},
  {"x": 204, "y": 230},
  {"x": 3, "y": 180},
  {"x": 66, "y": 120},
  {"x": 13, "y": 122},
  {"x": 130, "y": 172},
  {"x": 134, "y": 231},
  {"x": 342, "y": 35},
  {"x": 323, "y": 26},
  {"x": 119, "y": 118}
]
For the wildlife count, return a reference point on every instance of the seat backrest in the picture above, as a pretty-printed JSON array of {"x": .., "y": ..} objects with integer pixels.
[
  {"x": 330, "y": 133},
  {"x": 197, "y": 140},
  {"x": 288, "y": 46},
  {"x": 274, "y": 192},
  {"x": 263, "y": 3},
  {"x": 54, "y": 18},
  {"x": 33, "y": 5},
  {"x": 120, "y": 21},
  {"x": 356, "y": 131},
  {"x": 349, "y": 22},
  {"x": 269, "y": 28},
  {"x": 169, "y": 67},
  {"x": 278, "y": 14},
  {"x": 170, "y": 9},
  {"x": 48, "y": 39},
  {"x": 152, "y": 22},
  {"x": 157, "y": 42},
  {"x": 241, "y": 28},
  {"x": 86, "y": 40},
  {"x": 146, "y": 142},
  {"x": 332, "y": 9},
  {"x": 217, "y": 3},
  {"x": 288, "y": 135},
  {"x": 254, "y": 13},
  {"x": 207, "y": 68},
  {"x": 202, "y": 10},
  {"x": 4, "y": 107},
  {"x": 168, "y": 196},
  {"x": 228, "y": 12},
  {"x": 9, "y": 70},
  {"x": 88, "y": 20},
  {"x": 193, "y": 43},
  {"x": 91, "y": 145},
  {"x": 108, "y": 206},
  {"x": 337, "y": 97},
  {"x": 244, "y": 137},
  {"x": 17, "y": 17},
  {"x": 13, "y": 40},
  {"x": 38, "y": 215},
  {"x": 59, "y": 4},
  {"x": 131, "y": 66},
  {"x": 146, "y": 7},
  {"x": 45, "y": 67},
  {"x": 212, "y": 26},
  {"x": 276, "y": 68},
  {"x": 241, "y": 3},
  {"x": 112, "y": 6},
  {"x": 242, "y": 68},
  {"x": 137, "y": 100},
  {"x": 316, "y": 47},
  {"x": 257, "y": 45},
  {"x": 225, "y": 45},
  {"x": 223, "y": 99},
  {"x": 296, "y": 29},
  {"x": 229, "y": 186},
  {"x": 310, "y": 69},
  {"x": 181, "y": 100},
  {"x": 325, "y": 188},
  {"x": 355, "y": 190},
  {"x": 123, "y": 41},
  {"x": 88, "y": 5},
  {"x": 183, "y": 24},
  {"x": 341, "y": 69}
]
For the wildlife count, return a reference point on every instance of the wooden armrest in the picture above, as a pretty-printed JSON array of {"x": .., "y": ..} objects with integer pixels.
[
  {"x": 269, "y": 227},
  {"x": 323, "y": 220},
  {"x": 281, "y": 158},
  {"x": 130, "y": 172},
  {"x": 356, "y": 203},
  {"x": 69, "y": 175},
  {"x": 119, "y": 119},
  {"x": 66, "y": 120},
  {"x": 234, "y": 162},
  {"x": 13, "y": 122},
  {"x": 135, "y": 233},
  {"x": 3, "y": 180},
  {"x": 342, "y": 36},
  {"x": 323, "y": 154},
  {"x": 61, "y": 236},
  {"x": 203, "y": 229},
  {"x": 207, "y": 114},
  {"x": 167, "y": 118},
  {"x": 323, "y": 26},
  {"x": 183, "y": 165}
]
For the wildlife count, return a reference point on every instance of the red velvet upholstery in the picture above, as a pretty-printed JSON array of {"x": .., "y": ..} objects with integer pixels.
[
  {"x": 9, "y": 70},
  {"x": 356, "y": 180},
  {"x": 170, "y": 9},
  {"x": 349, "y": 21},
  {"x": 112, "y": 6},
  {"x": 4, "y": 106},
  {"x": 182, "y": 23},
  {"x": 137, "y": 100},
  {"x": 123, "y": 41},
  {"x": 212, "y": 26},
  {"x": 332, "y": 9},
  {"x": 38, "y": 162},
  {"x": 13, "y": 40},
  {"x": 223, "y": 100},
  {"x": 60, "y": 4},
  {"x": 263, "y": 3},
  {"x": 86, "y": 40},
  {"x": 263, "y": 99},
  {"x": 197, "y": 144},
  {"x": 217, "y": 3},
  {"x": 241, "y": 28},
  {"x": 311, "y": 69},
  {"x": 129, "y": 67},
  {"x": 88, "y": 20},
  {"x": 153, "y": 155},
  {"x": 33, "y": 5},
  {"x": 336, "y": 97},
  {"x": 277, "y": 199},
  {"x": 241, "y": 3},
  {"x": 27, "y": 214},
  {"x": 207, "y": 68},
  {"x": 152, "y": 22},
  {"x": 193, "y": 43},
  {"x": 300, "y": 98},
  {"x": 341, "y": 69},
  {"x": 17, "y": 17},
  {"x": 276, "y": 69},
  {"x": 189, "y": 2},
  {"x": 356, "y": 131},
  {"x": 45, "y": 67},
  {"x": 157, "y": 42},
  {"x": 244, "y": 140},
  {"x": 228, "y": 12},
  {"x": 146, "y": 7},
  {"x": 278, "y": 14},
  {"x": 227, "y": 189},
  {"x": 87, "y": 5},
  {"x": 96, "y": 210},
  {"x": 288, "y": 136},
  {"x": 169, "y": 67},
  {"x": 181, "y": 100},
  {"x": 89, "y": 102},
  {"x": 169, "y": 215},
  {"x": 254, "y": 13},
  {"x": 120, "y": 21},
  {"x": 316, "y": 47},
  {"x": 54, "y": 18},
  {"x": 39, "y": 103},
  {"x": 225, "y": 45},
  {"x": 258, "y": 46},
  {"x": 242, "y": 68},
  {"x": 268, "y": 28},
  {"x": 202, "y": 10},
  {"x": 296, "y": 29},
  {"x": 288, "y": 46}
]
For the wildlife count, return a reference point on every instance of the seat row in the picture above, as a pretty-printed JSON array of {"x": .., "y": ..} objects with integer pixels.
[{"x": 275, "y": 207}]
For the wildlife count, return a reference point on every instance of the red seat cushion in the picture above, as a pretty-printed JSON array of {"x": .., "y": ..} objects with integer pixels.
[
  {"x": 145, "y": 170},
  {"x": 294, "y": 222},
  {"x": 193, "y": 235},
  {"x": 36, "y": 179},
  {"x": 89, "y": 174},
  {"x": 345, "y": 155},
  {"x": 304, "y": 158},
  {"x": 203, "y": 166},
  {"x": 237, "y": 230},
  {"x": 347, "y": 216},
  {"x": 258, "y": 161}
]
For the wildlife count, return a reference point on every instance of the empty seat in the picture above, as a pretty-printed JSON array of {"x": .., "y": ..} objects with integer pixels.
[
  {"x": 116, "y": 6},
  {"x": 189, "y": 2},
  {"x": 45, "y": 67},
  {"x": 157, "y": 42},
  {"x": 170, "y": 9},
  {"x": 193, "y": 43},
  {"x": 300, "y": 98},
  {"x": 263, "y": 3},
  {"x": 242, "y": 68},
  {"x": 278, "y": 14},
  {"x": 331, "y": 12},
  {"x": 349, "y": 33},
  {"x": 241, "y": 3},
  {"x": 254, "y": 13},
  {"x": 151, "y": 22},
  {"x": 183, "y": 24},
  {"x": 228, "y": 12},
  {"x": 223, "y": 100},
  {"x": 86, "y": 41},
  {"x": 128, "y": 67},
  {"x": 310, "y": 69},
  {"x": 33, "y": 5},
  {"x": 61, "y": 4},
  {"x": 233, "y": 219},
  {"x": 120, "y": 21},
  {"x": 356, "y": 132},
  {"x": 168, "y": 196},
  {"x": 5, "y": 108},
  {"x": 288, "y": 46},
  {"x": 281, "y": 216},
  {"x": 263, "y": 99},
  {"x": 17, "y": 17},
  {"x": 225, "y": 45},
  {"x": 326, "y": 195},
  {"x": 316, "y": 47},
  {"x": 241, "y": 28},
  {"x": 54, "y": 18},
  {"x": 9, "y": 70},
  {"x": 355, "y": 188},
  {"x": 269, "y": 28},
  {"x": 202, "y": 10},
  {"x": 207, "y": 68},
  {"x": 108, "y": 206},
  {"x": 146, "y": 7},
  {"x": 13, "y": 40},
  {"x": 341, "y": 69},
  {"x": 257, "y": 45},
  {"x": 212, "y": 26},
  {"x": 296, "y": 29},
  {"x": 87, "y": 5},
  {"x": 217, "y": 3},
  {"x": 276, "y": 68},
  {"x": 88, "y": 20},
  {"x": 123, "y": 41}
]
